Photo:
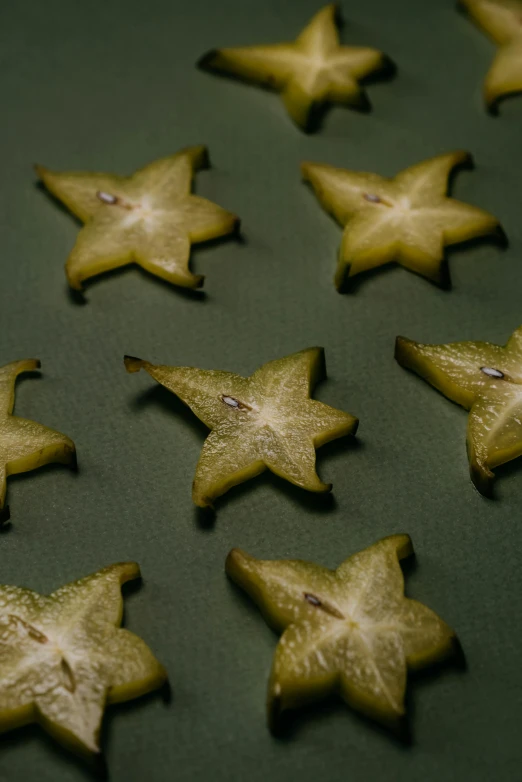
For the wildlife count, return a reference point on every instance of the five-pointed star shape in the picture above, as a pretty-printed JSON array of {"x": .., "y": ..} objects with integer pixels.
[
  {"x": 485, "y": 379},
  {"x": 502, "y": 21},
  {"x": 309, "y": 72},
  {"x": 349, "y": 630},
  {"x": 25, "y": 445},
  {"x": 150, "y": 218},
  {"x": 64, "y": 657},
  {"x": 265, "y": 421},
  {"x": 407, "y": 219}
]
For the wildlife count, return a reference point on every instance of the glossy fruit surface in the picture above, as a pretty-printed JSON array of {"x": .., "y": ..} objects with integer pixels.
[
  {"x": 64, "y": 657},
  {"x": 150, "y": 218},
  {"x": 265, "y": 421},
  {"x": 349, "y": 630},
  {"x": 407, "y": 219},
  {"x": 25, "y": 445},
  {"x": 484, "y": 378}
]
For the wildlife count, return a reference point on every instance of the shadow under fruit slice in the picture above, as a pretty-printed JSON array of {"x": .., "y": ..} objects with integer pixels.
[
  {"x": 25, "y": 445},
  {"x": 150, "y": 218},
  {"x": 350, "y": 630},
  {"x": 407, "y": 219},
  {"x": 311, "y": 71},
  {"x": 486, "y": 379},
  {"x": 64, "y": 657},
  {"x": 265, "y": 421},
  {"x": 502, "y": 21}
]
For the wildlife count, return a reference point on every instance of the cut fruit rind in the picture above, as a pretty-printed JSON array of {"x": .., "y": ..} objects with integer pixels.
[
  {"x": 350, "y": 631},
  {"x": 309, "y": 72},
  {"x": 485, "y": 379},
  {"x": 407, "y": 219},
  {"x": 25, "y": 445},
  {"x": 150, "y": 218},
  {"x": 502, "y": 21},
  {"x": 265, "y": 421},
  {"x": 65, "y": 656}
]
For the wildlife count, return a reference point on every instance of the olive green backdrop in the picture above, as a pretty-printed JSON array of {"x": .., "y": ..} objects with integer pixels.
[{"x": 111, "y": 86}]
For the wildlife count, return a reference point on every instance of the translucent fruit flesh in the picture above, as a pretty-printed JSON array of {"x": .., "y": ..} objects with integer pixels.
[
  {"x": 266, "y": 421},
  {"x": 485, "y": 379},
  {"x": 64, "y": 657},
  {"x": 312, "y": 70},
  {"x": 407, "y": 219},
  {"x": 350, "y": 631},
  {"x": 150, "y": 218},
  {"x": 502, "y": 21},
  {"x": 25, "y": 445}
]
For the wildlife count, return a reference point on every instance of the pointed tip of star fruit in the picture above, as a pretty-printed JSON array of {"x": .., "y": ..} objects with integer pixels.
[
  {"x": 199, "y": 156},
  {"x": 387, "y": 66},
  {"x": 128, "y": 571},
  {"x": 493, "y": 95},
  {"x": 235, "y": 558},
  {"x": 202, "y": 500},
  {"x": 403, "y": 544},
  {"x": 310, "y": 172},
  {"x": 40, "y": 171},
  {"x": 196, "y": 281},
  {"x": 306, "y": 169},
  {"x": 482, "y": 478},
  {"x": 30, "y": 365},
  {"x": 463, "y": 158},
  {"x": 237, "y": 565},
  {"x": 208, "y": 60},
  {"x": 403, "y": 350},
  {"x": 75, "y": 281},
  {"x": 322, "y": 488},
  {"x": 236, "y": 225},
  {"x": 85, "y": 747},
  {"x": 134, "y": 364},
  {"x": 70, "y": 457}
]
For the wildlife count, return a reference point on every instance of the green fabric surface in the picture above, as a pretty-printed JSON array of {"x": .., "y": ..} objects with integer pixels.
[{"x": 111, "y": 86}]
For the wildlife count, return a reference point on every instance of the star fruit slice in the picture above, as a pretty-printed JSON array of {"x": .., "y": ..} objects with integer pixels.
[
  {"x": 502, "y": 21},
  {"x": 150, "y": 218},
  {"x": 265, "y": 421},
  {"x": 350, "y": 631},
  {"x": 485, "y": 379},
  {"x": 407, "y": 219},
  {"x": 309, "y": 72},
  {"x": 25, "y": 445},
  {"x": 64, "y": 657}
]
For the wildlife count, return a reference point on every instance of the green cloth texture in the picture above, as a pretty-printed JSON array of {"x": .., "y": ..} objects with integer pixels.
[{"x": 111, "y": 86}]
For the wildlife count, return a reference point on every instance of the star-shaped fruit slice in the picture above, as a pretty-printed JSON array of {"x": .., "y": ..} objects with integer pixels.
[
  {"x": 485, "y": 379},
  {"x": 25, "y": 445},
  {"x": 309, "y": 72},
  {"x": 150, "y": 218},
  {"x": 265, "y": 421},
  {"x": 502, "y": 21},
  {"x": 64, "y": 657},
  {"x": 350, "y": 631},
  {"x": 407, "y": 219}
]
